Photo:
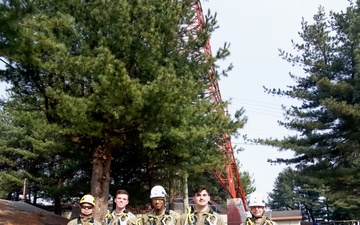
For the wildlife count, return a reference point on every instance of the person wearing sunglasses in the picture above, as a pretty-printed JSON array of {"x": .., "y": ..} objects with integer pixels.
[{"x": 87, "y": 204}]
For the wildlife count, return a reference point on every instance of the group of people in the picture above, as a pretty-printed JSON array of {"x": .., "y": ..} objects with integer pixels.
[{"x": 199, "y": 214}]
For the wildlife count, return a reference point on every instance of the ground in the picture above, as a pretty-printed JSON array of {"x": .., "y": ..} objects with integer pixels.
[{"x": 20, "y": 213}]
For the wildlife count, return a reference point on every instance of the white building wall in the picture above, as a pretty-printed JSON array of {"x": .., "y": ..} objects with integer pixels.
[{"x": 288, "y": 222}]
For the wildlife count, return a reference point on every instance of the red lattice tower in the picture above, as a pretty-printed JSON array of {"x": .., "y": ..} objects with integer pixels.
[{"x": 230, "y": 178}]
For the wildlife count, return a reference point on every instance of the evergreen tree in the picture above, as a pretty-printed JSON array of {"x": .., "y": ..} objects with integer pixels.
[
  {"x": 10, "y": 173},
  {"x": 247, "y": 180},
  {"x": 118, "y": 76},
  {"x": 327, "y": 144},
  {"x": 283, "y": 196},
  {"x": 294, "y": 192},
  {"x": 30, "y": 151}
]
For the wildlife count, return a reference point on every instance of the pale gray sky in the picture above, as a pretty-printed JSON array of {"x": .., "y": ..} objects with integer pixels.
[{"x": 256, "y": 30}]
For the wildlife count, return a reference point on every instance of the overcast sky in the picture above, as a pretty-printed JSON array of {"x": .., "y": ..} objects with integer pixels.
[{"x": 256, "y": 29}]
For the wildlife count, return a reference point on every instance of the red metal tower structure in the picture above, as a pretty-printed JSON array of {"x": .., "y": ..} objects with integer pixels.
[{"x": 229, "y": 178}]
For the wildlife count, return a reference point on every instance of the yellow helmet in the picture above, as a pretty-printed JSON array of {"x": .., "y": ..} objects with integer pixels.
[{"x": 87, "y": 199}]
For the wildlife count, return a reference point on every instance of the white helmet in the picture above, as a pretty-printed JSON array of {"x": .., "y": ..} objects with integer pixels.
[
  {"x": 256, "y": 200},
  {"x": 157, "y": 191}
]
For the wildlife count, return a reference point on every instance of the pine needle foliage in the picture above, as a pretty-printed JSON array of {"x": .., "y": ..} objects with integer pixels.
[
  {"x": 326, "y": 144},
  {"x": 119, "y": 77}
]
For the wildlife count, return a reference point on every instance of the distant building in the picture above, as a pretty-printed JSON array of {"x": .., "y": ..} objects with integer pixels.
[{"x": 288, "y": 217}]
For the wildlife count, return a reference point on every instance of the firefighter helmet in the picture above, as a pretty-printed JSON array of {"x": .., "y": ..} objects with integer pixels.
[
  {"x": 157, "y": 191},
  {"x": 256, "y": 200},
  {"x": 87, "y": 199}
]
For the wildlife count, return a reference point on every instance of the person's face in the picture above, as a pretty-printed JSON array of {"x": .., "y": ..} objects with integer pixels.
[
  {"x": 121, "y": 201},
  {"x": 86, "y": 209},
  {"x": 158, "y": 203},
  {"x": 257, "y": 211},
  {"x": 201, "y": 198}
]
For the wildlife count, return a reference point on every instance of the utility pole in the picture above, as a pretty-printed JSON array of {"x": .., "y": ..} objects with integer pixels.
[
  {"x": 186, "y": 192},
  {"x": 24, "y": 190}
]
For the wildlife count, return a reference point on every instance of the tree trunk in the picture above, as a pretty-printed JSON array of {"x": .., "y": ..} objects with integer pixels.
[
  {"x": 35, "y": 196},
  {"x": 171, "y": 194},
  {"x": 57, "y": 206},
  {"x": 100, "y": 179}
]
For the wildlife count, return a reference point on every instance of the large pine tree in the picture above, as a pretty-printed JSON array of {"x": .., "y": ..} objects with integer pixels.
[
  {"x": 118, "y": 76},
  {"x": 327, "y": 145}
]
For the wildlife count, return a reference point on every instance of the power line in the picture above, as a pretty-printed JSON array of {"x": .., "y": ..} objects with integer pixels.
[
  {"x": 263, "y": 112},
  {"x": 251, "y": 101},
  {"x": 255, "y": 107}
]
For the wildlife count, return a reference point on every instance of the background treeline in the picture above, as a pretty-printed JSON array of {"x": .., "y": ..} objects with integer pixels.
[{"x": 323, "y": 178}]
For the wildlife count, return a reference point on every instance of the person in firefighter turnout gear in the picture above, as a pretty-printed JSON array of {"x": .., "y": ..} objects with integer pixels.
[
  {"x": 159, "y": 215},
  {"x": 201, "y": 213},
  {"x": 257, "y": 210},
  {"x": 120, "y": 215},
  {"x": 87, "y": 204}
]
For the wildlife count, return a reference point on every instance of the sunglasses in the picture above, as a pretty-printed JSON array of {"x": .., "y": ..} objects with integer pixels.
[{"x": 87, "y": 207}]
